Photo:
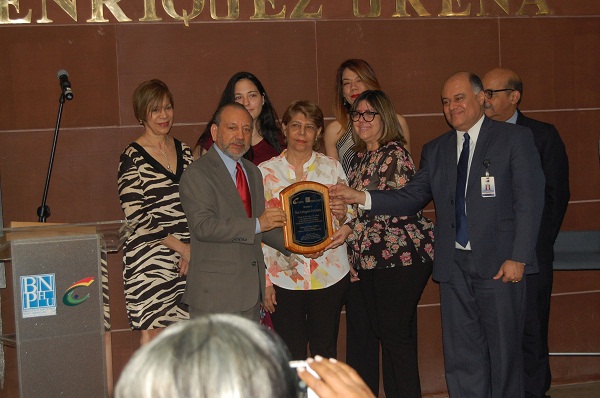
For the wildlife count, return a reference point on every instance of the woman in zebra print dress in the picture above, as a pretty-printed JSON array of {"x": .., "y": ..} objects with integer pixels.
[{"x": 157, "y": 253}]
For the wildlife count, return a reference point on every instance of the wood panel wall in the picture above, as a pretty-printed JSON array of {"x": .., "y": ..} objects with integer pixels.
[{"x": 556, "y": 54}]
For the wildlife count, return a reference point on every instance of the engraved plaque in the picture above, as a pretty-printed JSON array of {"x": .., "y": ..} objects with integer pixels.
[{"x": 308, "y": 217}]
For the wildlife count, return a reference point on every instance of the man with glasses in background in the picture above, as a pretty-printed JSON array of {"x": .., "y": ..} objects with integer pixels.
[{"x": 503, "y": 94}]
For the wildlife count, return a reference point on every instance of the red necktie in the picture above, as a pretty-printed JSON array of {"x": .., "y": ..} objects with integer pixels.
[{"x": 242, "y": 187}]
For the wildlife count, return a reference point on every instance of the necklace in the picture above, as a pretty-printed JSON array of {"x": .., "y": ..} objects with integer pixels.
[
  {"x": 166, "y": 159},
  {"x": 164, "y": 154}
]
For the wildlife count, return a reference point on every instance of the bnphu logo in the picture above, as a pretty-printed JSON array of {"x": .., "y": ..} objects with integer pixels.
[{"x": 71, "y": 298}]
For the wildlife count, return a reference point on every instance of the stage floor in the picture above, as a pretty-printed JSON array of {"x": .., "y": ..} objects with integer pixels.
[{"x": 582, "y": 390}]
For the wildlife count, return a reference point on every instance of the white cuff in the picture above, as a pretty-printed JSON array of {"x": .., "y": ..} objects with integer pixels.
[{"x": 367, "y": 205}]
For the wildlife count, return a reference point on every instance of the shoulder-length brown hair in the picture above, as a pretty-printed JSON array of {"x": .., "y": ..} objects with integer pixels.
[
  {"x": 366, "y": 74},
  {"x": 392, "y": 131},
  {"x": 147, "y": 95}
]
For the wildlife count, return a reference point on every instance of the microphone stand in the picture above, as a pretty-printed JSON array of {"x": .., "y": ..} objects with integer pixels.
[{"x": 43, "y": 211}]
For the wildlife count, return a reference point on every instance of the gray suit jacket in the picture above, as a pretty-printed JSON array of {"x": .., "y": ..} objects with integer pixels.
[
  {"x": 504, "y": 227},
  {"x": 227, "y": 267}
]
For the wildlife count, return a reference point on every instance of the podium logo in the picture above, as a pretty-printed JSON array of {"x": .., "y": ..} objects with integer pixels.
[
  {"x": 38, "y": 295},
  {"x": 71, "y": 297}
]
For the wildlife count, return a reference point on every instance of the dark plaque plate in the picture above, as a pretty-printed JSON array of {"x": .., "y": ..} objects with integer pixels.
[{"x": 308, "y": 217}]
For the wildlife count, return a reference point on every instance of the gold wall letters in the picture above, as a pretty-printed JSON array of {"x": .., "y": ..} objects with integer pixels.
[
  {"x": 261, "y": 13},
  {"x": 70, "y": 7},
  {"x": 4, "y": 14},
  {"x": 374, "y": 9},
  {"x": 20, "y": 11},
  {"x": 98, "y": 11}
]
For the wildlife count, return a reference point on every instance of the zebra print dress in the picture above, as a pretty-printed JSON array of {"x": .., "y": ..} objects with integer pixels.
[{"x": 149, "y": 194}]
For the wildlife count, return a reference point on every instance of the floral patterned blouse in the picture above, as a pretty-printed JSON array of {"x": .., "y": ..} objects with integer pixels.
[
  {"x": 386, "y": 241},
  {"x": 298, "y": 272}
]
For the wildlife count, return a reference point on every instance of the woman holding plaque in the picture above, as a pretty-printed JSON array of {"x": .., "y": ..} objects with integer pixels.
[
  {"x": 305, "y": 296},
  {"x": 157, "y": 253},
  {"x": 394, "y": 254},
  {"x": 353, "y": 77},
  {"x": 267, "y": 140}
]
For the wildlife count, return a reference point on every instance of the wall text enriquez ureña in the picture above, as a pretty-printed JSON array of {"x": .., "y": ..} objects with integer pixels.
[{"x": 16, "y": 12}]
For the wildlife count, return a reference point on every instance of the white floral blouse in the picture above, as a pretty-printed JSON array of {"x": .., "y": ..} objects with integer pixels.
[{"x": 298, "y": 272}]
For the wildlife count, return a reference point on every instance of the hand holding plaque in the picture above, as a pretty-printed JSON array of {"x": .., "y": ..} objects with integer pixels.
[{"x": 308, "y": 217}]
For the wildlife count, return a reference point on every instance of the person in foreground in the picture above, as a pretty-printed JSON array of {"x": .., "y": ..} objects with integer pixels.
[
  {"x": 216, "y": 356},
  {"x": 227, "y": 356},
  {"x": 503, "y": 93},
  {"x": 305, "y": 295},
  {"x": 488, "y": 187},
  {"x": 394, "y": 255},
  {"x": 335, "y": 379},
  {"x": 157, "y": 253},
  {"x": 223, "y": 198}
]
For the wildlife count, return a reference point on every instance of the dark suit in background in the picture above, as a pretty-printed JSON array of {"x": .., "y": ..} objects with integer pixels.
[
  {"x": 555, "y": 164},
  {"x": 504, "y": 91}
]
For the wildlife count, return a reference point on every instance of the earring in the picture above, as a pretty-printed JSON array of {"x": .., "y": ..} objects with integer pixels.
[{"x": 141, "y": 122}]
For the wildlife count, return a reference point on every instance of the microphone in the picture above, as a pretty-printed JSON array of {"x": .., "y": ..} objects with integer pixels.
[{"x": 65, "y": 85}]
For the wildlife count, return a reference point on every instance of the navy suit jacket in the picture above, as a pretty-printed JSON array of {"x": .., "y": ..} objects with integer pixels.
[
  {"x": 504, "y": 227},
  {"x": 555, "y": 165},
  {"x": 227, "y": 266}
]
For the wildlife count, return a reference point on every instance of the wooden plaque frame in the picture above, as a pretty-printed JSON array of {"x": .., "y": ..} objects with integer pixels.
[{"x": 306, "y": 204}]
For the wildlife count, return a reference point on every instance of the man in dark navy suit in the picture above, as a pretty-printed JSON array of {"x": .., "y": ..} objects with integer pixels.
[
  {"x": 503, "y": 93},
  {"x": 488, "y": 187}
]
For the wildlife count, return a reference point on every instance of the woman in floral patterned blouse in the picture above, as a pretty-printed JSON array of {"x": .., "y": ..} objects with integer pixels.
[
  {"x": 304, "y": 295},
  {"x": 394, "y": 254}
]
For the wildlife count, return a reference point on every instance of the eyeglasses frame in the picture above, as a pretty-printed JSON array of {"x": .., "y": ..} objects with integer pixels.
[
  {"x": 362, "y": 114},
  {"x": 489, "y": 94}
]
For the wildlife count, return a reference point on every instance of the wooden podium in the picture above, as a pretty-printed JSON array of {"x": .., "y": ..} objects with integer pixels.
[{"x": 59, "y": 299}]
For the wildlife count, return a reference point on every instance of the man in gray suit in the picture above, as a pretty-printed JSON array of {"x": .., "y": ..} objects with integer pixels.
[
  {"x": 227, "y": 267},
  {"x": 488, "y": 187}
]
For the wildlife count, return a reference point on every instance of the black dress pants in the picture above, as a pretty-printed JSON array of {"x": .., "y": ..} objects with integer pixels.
[
  {"x": 536, "y": 359},
  {"x": 391, "y": 296},
  {"x": 310, "y": 317},
  {"x": 362, "y": 344}
]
